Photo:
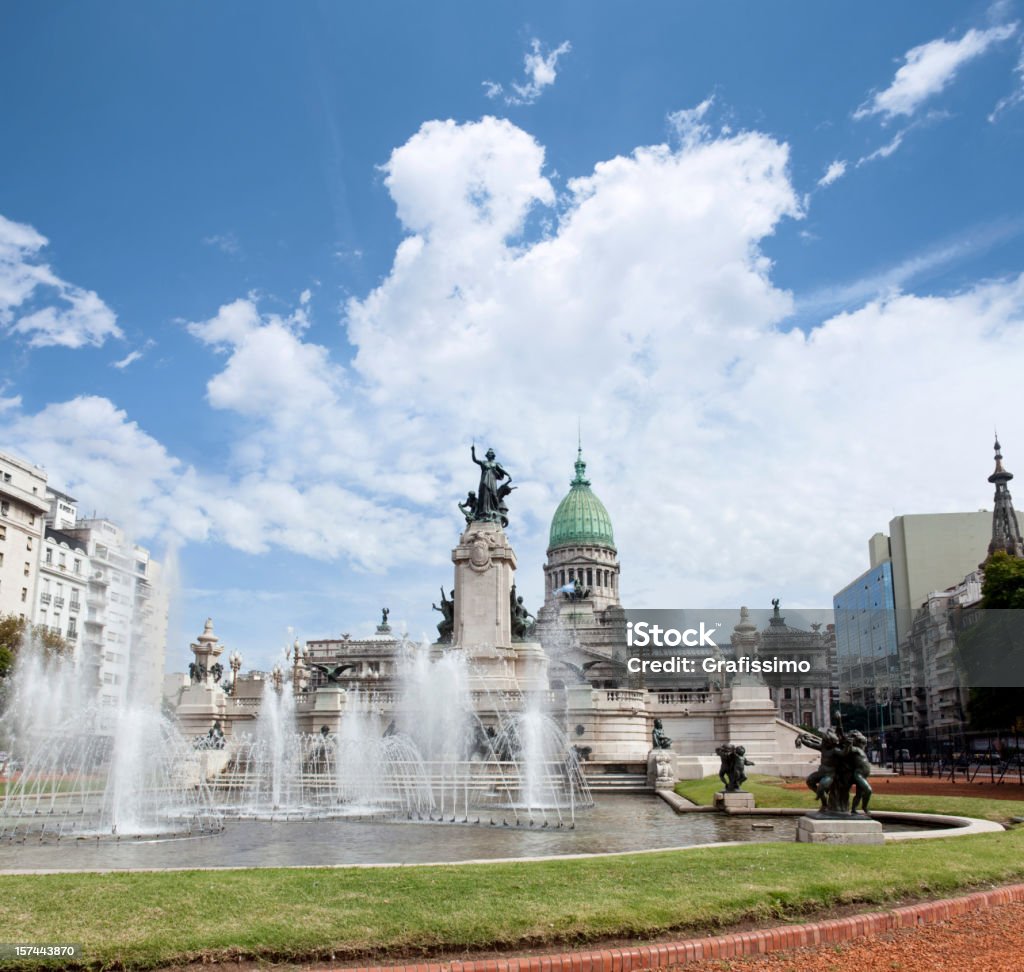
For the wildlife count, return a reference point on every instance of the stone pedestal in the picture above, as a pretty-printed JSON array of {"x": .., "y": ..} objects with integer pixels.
[
  {"x": 201, "y": 705},
  {"x": 661, "y": 769},
  {"x": 328, "y": 706},
  {"x": 738, "y": 800},
  {"x": 484, "y": 567},
  {"x": 749, "y": 720},
  {"x": 611, "y": 724},
  {"x": 818, "y": 828}
]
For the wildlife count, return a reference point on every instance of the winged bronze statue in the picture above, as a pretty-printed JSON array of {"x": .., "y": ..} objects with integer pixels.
[{"x": 334, "y": 674}]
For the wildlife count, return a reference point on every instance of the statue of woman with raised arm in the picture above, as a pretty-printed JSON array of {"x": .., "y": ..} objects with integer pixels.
[{"x": 488, "y": 501}]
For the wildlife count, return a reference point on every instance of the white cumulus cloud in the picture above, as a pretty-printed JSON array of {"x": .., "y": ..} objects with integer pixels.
[
  {"x": 928, "y": 68},
  {"x": 540, "y": 70},
  {"x": 38, "y": 305},
  {"x": 739, "y": 460},
  {"x": 833, "y": 173}
]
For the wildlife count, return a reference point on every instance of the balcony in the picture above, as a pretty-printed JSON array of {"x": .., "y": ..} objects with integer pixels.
[
  {"x": 72, "y": 636},
  {"x": 74, "y": 605},
  {"x": 44, "y": 598},
  {"x": 58, "y": 603}
]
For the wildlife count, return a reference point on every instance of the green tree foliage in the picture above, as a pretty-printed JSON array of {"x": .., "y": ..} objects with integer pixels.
[
  {"x": 12, "y": 637},
  {"x": 851, "y": 717},
  {"x": 1004, "y": 582},
  {"x": 993, "y": 647}
]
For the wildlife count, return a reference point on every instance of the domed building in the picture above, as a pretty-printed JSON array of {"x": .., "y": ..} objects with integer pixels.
[{"x": 582, "y": 622}]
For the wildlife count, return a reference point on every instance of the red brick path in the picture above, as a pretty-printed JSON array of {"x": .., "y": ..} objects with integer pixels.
[{"x": 758, "y": 943}]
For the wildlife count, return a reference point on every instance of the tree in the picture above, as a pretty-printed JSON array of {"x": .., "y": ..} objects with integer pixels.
[
  {"x": 1003, "y": 586},
  {"x": 12, "y": 637},
  {"x": 991, "y": 649},
  {"x": 851, "y": 716}
]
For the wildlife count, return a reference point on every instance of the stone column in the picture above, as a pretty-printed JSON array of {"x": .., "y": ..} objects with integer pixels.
[{"x": 484, "y": 566}]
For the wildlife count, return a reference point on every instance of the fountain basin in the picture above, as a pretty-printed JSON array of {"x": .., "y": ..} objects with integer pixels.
[{"x": 616, "y": 824}]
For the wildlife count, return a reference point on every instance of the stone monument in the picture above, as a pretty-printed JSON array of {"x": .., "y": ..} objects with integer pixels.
[
  {"x": 844, "y": 764},
  {"x": 661, "y": 761},
  {"x": 483, "y": 606},
  {"x": 733, "y": 775}
]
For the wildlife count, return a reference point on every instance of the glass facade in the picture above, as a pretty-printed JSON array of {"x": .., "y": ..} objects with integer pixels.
[{"x": 867, "y": 651}]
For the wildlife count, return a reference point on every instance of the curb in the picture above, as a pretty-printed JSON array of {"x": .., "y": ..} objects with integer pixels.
[{"x": 740, "y": 945}]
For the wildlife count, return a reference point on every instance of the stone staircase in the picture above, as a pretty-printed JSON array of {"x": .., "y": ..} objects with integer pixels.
[{"x": 618, "y": 783}]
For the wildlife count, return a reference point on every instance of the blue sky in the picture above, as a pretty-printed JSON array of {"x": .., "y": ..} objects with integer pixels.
[{"x": 267, "y": 271}]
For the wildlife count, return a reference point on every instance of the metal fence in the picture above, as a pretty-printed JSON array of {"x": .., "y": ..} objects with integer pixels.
[{"x": 955, "y": 755}]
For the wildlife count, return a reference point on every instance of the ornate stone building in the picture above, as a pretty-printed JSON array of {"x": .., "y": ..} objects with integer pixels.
[
  {"x": 582, "y": 624},
  {"x": 803, "y": 698}
]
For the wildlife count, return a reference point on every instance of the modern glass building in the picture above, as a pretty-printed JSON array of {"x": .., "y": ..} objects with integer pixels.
[{"x": 867, "y": 648}]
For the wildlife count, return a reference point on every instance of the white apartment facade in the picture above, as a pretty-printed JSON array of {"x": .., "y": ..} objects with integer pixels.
[
  {"x": 23, "y": 508},
  {"x": 124, "y": 631}
]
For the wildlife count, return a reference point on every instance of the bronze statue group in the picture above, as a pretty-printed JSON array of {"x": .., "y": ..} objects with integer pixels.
[
  {"x": 844, "y": 764},
  {"x": 732, "y": 772}
]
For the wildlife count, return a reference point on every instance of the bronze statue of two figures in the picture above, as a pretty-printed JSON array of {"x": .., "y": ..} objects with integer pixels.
[
  {"x": 733, "y": 772},
  {"x": 844, "y": 764}
]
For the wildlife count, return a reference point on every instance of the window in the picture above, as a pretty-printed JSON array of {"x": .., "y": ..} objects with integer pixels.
[
  {"x": 28, "y": 568},
  {"x": 28, "y": 543},
  {"x": 787, "y": 693},
  {"x": 24, "y": 595},
  {"x": 807, "y": 693},
  {"x": 49, "y": 556},
  {"x": 77, "y": 566},
  {"x": 3, "y": 533},
  {"x": 63, "y": 562},
  {"x": 1, "y": 558},
  {"x": 7, "y": 477},
  {"x": 5, "y": 508},
  {"x": 808, "y": 719}
]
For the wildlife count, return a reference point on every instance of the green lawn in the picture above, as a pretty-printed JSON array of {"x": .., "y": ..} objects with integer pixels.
[
  {"x": 768, "y": 792},
  {"x": 143, "y": 920}
]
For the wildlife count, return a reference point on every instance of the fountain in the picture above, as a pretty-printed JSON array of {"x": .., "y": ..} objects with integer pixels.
[
  {"x": 424, "y": 752},
  {"x": 92, "y": 772}
]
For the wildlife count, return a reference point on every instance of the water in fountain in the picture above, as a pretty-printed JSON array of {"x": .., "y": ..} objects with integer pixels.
[
  {"x": 482, "y": 752},
  {"x": 277, "y": 771},
  {"x": 448, "y": 753},
  {"x": 94, "y": 771}
]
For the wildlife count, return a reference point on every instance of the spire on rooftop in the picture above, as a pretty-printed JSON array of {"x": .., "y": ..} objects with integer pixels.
[{"x": 1006, "y": 535}]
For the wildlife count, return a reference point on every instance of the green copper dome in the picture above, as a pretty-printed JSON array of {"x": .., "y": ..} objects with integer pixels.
[{"x": 581, "y": 517}]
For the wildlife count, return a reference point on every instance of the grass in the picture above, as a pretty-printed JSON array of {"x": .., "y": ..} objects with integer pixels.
[
  {"x": 148, "y": 919},
  {"x": 769, "y": 792}
]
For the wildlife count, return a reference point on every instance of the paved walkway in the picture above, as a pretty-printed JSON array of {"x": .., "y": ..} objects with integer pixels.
[
  {"x": 981, "y": 932},
  {"x": 983, "y": 941}
]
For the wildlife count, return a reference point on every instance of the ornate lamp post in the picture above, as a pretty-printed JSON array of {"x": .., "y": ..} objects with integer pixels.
[
  {"x": 277, "y": 677},
  {"x": 299, "y": 659},
  {"x": 235, "y": 661}
]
